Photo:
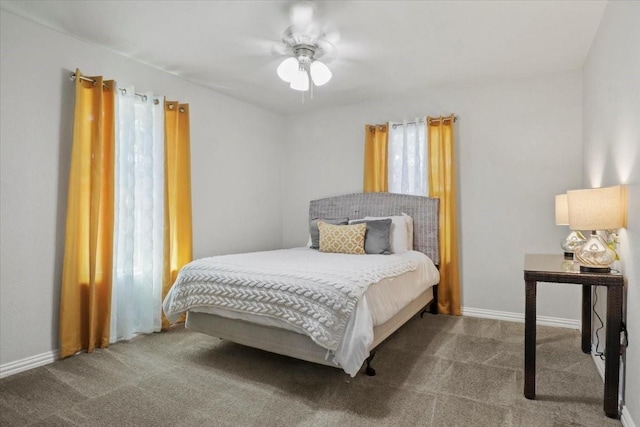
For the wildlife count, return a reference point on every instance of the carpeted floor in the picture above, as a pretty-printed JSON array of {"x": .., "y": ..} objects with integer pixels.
[{"x": 436, "y": 371}]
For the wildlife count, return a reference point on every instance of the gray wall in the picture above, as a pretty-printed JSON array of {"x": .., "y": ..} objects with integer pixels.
[
  {"x": 612, "y": 155},
  {"x": 236, "y": 151},
  {"x": 519, "y": 144}
]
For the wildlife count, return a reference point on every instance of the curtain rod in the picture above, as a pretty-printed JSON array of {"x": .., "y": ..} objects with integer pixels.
[
  {"x": 439, "y": 119},
  {"x": 394, "y": 125},
  {"x": 86, "y": 79},
  {"x": 124, "y": 91},
  {"x": 455, "y": 119}
]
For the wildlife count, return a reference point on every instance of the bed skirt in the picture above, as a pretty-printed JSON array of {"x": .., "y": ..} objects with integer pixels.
[{"x": 289, "y": 343}]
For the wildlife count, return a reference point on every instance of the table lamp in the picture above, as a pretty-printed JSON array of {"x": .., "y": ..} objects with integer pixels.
[
  {"x": 575, "y": 239},
  {"x": 596, "y": 209}
]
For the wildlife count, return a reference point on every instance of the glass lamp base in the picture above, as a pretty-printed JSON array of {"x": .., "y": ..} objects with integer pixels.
[
  {"x": 595, "y": 256},
  {"x": 572, "y": 243}
]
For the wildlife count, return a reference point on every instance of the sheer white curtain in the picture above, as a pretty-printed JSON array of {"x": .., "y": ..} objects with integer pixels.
[
  {"x": 139, "y": 215},
  {"x": 407, "y": 165}
]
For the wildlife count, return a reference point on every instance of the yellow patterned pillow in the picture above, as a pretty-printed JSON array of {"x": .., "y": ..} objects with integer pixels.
[{"x": 343, "y": 239}]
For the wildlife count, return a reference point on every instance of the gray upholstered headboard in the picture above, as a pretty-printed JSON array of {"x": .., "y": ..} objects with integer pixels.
[{"x": 424, "y": 211}]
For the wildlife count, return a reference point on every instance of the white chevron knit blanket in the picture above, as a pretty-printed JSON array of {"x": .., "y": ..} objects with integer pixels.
[{"x": 314, "y": 291}]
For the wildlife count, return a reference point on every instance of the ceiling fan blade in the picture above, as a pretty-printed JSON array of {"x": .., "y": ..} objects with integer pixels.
[
  {"x": 280, "y": 49},
  {"x": 331, "y": 34},
  {"x": 325, "y": 50},
  {"x": 313, "y": 30}
]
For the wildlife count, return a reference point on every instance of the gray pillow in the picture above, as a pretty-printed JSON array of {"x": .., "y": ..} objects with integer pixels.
[
  {"x": 315, "y": 233},
  {"x": 376, "y": 239}
]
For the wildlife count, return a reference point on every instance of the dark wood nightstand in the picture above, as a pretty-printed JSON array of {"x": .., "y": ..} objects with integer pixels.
[{"x": 555, "y": 269}]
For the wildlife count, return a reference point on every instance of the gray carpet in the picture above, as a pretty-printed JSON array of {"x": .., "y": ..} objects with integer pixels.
[{"x": 436, "y": 371}]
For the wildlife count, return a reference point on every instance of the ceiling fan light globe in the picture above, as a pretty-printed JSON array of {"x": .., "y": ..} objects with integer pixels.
[
  {"x": 320, "y": 73},
  {"x": 300, "y": 81},
  {"x": 288, "y": 69}
]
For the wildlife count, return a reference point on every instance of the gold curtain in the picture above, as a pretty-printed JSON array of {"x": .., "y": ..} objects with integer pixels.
[
  {"x": 375, "y": 158},
  {"x": 178, "y": 246},
  {"x": 442, "y": 185},
  {"x": 85, "y": 301}
]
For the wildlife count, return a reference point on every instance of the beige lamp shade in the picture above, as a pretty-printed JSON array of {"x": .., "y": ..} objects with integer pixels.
[
  {"x": 562, "y": 210},
  {"x": 597, "y": 208}
]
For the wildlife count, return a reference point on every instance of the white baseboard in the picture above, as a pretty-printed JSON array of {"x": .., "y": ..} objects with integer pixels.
[
  {"x": 625, "y": 418},
  {"x": 519, "y": 317},
  {"x": 27, "y": 363},
  {"x": 598, "y": 362}
]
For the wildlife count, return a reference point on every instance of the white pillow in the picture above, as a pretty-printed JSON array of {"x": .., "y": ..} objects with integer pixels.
[
  {"x": 409, "y": 220},
  {"x": 399, "y": 237}
]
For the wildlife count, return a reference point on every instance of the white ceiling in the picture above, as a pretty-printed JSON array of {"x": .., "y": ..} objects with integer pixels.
[{"x": 385, "y": 47}]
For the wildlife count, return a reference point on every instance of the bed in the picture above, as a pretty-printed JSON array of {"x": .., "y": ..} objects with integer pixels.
[{"x": 242, "y": 286}]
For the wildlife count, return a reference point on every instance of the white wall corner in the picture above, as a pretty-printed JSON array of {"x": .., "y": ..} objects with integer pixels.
[
  {"x": 626, "y": 419},
  {"x": 27, "y": 363}
]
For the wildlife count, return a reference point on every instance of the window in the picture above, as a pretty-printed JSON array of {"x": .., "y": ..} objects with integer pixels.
[{"x": 407, "y": 166}]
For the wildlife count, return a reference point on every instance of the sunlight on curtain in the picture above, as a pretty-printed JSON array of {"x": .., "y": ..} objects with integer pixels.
[
  {"x": 442, "y": 185},
  {"x": 139, "y": 215},
  {"x": 407, "y": 158},
  {"x": 375, "y": 158},
  {"x": 85, "y": 296},
  {"x": 128, "y": 228},
  {"x": 178, "y": 230}
]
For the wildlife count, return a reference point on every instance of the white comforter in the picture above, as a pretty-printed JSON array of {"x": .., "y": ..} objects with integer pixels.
[{"x": 316, "y": 293}]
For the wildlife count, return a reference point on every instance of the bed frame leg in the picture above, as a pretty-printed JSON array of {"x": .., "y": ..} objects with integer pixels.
[
  {"x": 369, "y": 370},
  {"x": 433, "y": 308}
]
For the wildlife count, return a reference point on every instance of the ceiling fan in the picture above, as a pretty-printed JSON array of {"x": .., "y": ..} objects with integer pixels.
[{"x": 305, "y": 42}]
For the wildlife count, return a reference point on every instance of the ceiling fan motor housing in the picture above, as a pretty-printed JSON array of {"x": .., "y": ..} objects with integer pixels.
[
  {"x": 304, "y": 53},
  {"x": 298, "y": 42}
]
